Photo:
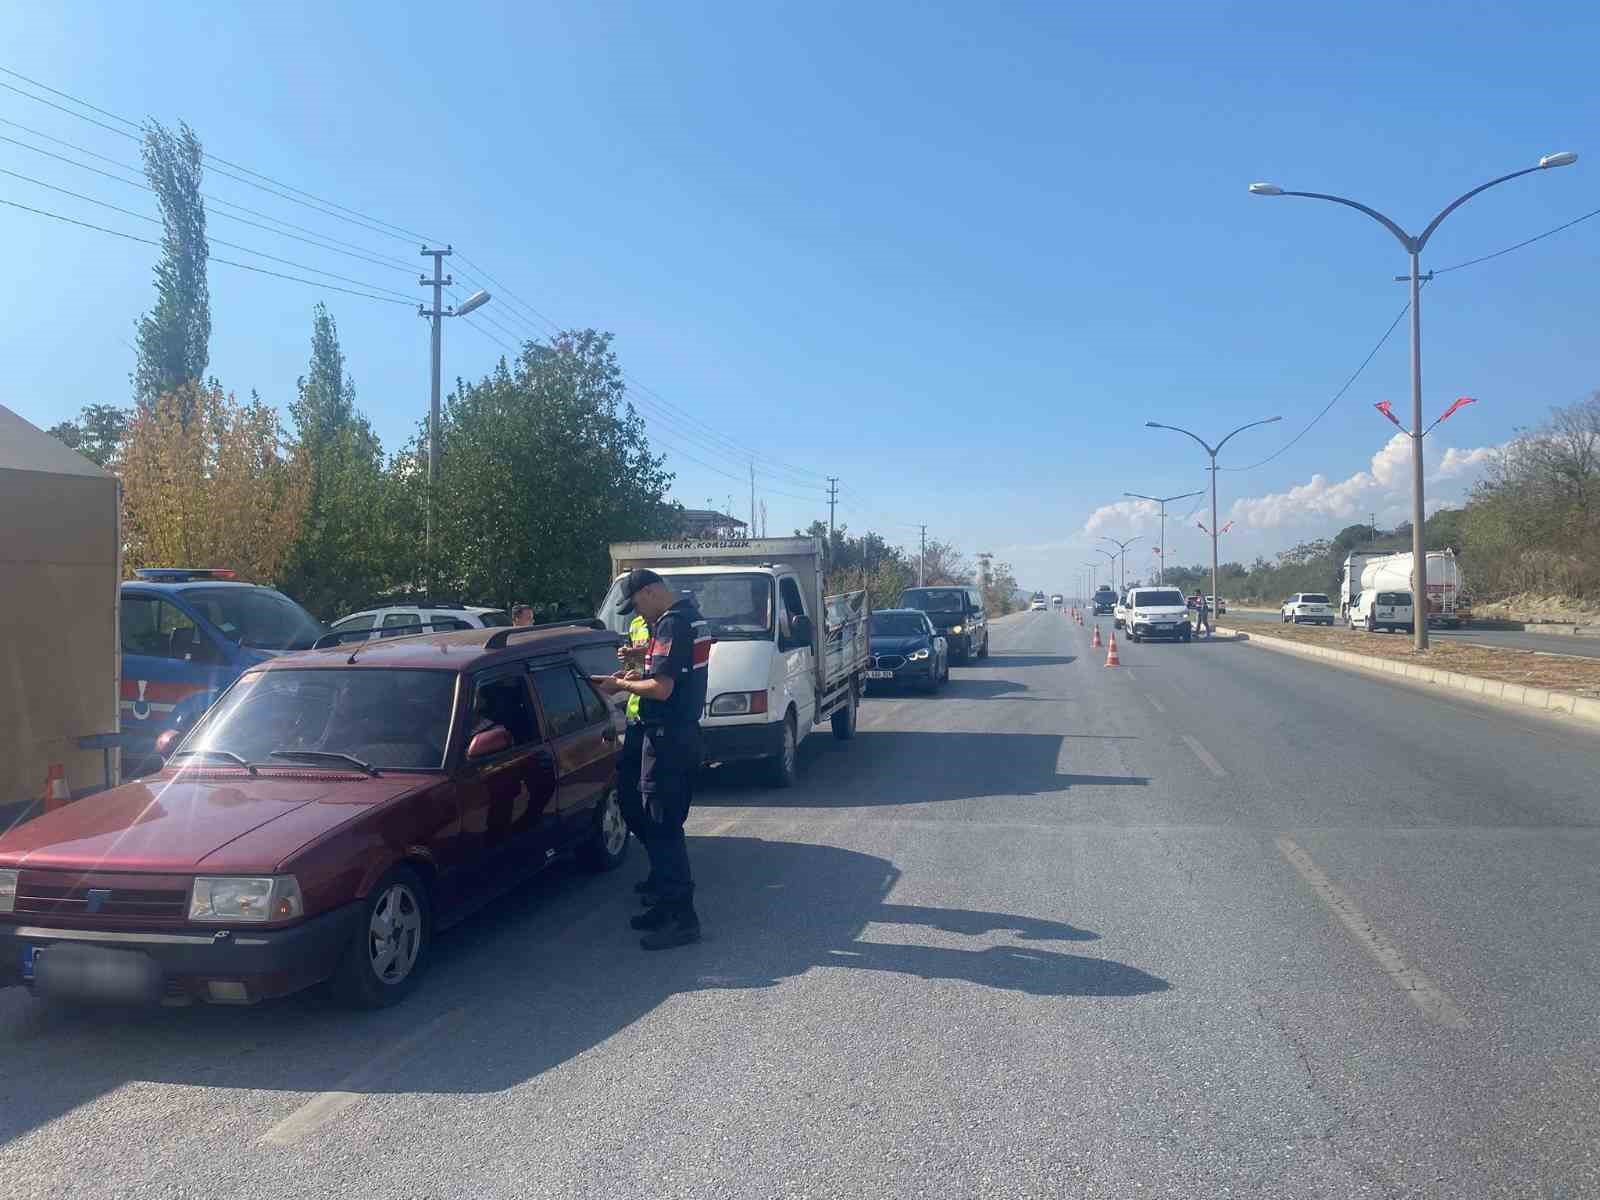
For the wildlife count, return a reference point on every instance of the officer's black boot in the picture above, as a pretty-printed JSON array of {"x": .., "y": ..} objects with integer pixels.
[
  {"x": 680, "y": 928},
  {"x": 655, "y": 917}
]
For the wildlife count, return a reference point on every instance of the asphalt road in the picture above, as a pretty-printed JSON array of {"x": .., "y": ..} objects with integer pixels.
[
  {"x": 1217, "y": 923},
  {"x": 1513, "y": 639}
]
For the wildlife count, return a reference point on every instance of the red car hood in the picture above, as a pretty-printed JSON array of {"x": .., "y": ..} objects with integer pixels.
[{"x": 191, "y": 820}]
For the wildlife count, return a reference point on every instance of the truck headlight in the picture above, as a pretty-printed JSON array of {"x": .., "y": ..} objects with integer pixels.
[
  {"x": 739, "y": 704},
  {"x": 918, "y": 655},
  {"x": 8, "y": 891},
  {"x": 230, "y": 899}
]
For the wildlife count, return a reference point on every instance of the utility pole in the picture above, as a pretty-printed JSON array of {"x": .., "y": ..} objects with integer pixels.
[
  {"x": 752, "y": 499},
  {"x": 763, "y": 518},
  {"x": 833, "y": 500},
  {"x": 922, "y": 559},
  {"x": 436, "y": 314}
]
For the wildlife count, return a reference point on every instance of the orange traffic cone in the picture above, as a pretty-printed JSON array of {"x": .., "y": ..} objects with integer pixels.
[
  {"x": 1111, "y": 652},
  {"x": 1096, "y": 642},
  {"x": 55, "y": 788}
]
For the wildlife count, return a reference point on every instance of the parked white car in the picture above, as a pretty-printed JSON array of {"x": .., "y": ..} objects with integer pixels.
[
  {"x": 1374, "y": 610},
  {"x": 1309, "y": 608},
  {"x": 397, "y": 620},
  {"x": 1157, "y": 612}
]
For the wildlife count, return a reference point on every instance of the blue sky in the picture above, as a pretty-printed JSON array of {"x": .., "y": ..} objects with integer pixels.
[{"x": 954, "y": 254}]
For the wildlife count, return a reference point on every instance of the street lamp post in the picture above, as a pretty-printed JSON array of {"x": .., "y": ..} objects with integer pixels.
[
  {"x": 1213, "y": 451},
  {"x": 1161, "y": 549},
  {"x": 1122, "y": 547},
  {"x": 1094, "y": 570},
  {"x": 1112, "y": 570},
  {"x": 1414, "y": 247}
]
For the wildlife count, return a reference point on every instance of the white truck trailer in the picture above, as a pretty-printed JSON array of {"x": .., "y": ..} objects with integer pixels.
[
  {"x": 784, "y": 657},
  {"x": 1447, "y": 601}
]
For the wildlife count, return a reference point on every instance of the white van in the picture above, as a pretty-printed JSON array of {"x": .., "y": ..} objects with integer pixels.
[
  {"x": 1374, "y": 610},
  {"x": 1156, "y": 612},
  {"x": 784, "y": 658}
]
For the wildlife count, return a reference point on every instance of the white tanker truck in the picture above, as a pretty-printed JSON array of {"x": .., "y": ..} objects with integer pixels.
[{"x": 1448, "y": 604}]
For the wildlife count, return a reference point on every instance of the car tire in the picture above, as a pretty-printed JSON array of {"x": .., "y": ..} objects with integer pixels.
[
  {"x": 783, "y": 768},
  {"x": 607, "y": 846},
  {"x": 844, "y": 719},
  {"x": 983, "y": 653},
  {"x": 396, "y": 910},
  {"x": 1372, "y": 626}
]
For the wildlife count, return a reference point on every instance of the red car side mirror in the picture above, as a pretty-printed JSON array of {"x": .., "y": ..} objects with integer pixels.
[
  {"x": 167, "y": 742},
  {"x": 488, "y": 743}
]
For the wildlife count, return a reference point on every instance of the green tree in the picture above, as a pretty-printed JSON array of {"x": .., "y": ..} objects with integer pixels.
[
  {"x": 174, "y": 338},
  {"x": 97, "y": 434},
  {"x": 344, "y": 555},
  {"x": 542, "y": 465}
]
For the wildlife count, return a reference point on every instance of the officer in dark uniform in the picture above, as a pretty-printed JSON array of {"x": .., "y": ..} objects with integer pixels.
[{"x": 661, "y": 752}]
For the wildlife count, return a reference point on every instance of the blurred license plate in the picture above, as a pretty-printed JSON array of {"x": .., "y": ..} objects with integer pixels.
[
  {"x": 30, "y": 955},
  {"x": 880, "y": 674}
]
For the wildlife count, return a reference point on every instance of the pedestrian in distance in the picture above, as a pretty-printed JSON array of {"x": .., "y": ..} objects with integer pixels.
[
  {"x": 1202, "y": 614},
  {"x": 521, "y": 614},
  {"x": 661, "y": 751}
]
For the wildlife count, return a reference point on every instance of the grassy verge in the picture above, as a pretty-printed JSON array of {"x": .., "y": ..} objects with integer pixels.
[{"x": 1579, "y": 677}]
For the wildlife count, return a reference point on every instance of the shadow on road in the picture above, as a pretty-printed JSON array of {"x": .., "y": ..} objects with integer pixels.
[
  {"x": 549, "y": 973},
  {"x": 1001, "y": 659},
  {"x": 905, "y": 767}
]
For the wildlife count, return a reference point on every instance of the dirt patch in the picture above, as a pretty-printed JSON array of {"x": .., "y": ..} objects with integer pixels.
[
  {"x": 1579, "y": 677},
  {"x": 1561, "y": 610}
]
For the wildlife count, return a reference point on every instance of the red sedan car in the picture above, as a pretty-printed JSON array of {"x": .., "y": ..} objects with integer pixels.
[{"x": 329, "y": 814}]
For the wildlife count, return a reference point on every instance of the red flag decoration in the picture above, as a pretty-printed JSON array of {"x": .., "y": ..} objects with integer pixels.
[
  {"x": 1226, "y": 527},
  {"x": 1383, "y": 407},
  {"x": 1461, "y": 403},
  {"x": 1201, "y": 527}
]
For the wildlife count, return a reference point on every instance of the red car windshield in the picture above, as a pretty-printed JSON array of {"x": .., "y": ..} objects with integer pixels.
[{"x": 394, "y": 718}]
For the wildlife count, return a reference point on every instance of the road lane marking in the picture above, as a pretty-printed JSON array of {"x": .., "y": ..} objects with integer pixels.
[
  {"x": 354, "y": 1087},
  {"x": 720, "y": 828},
  {"x": 1204, "y": 756},
  {"x": 1155, "y": 704},
  {"x": 1419, "y": 989},
  {"x": 1130, "y": 675}
]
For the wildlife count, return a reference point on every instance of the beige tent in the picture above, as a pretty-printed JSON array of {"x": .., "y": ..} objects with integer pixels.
[{"x": 59, "y": 571}]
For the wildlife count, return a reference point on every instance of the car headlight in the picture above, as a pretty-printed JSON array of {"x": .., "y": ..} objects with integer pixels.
[
  {"x": 8, "y": 891},
  {"x": 955, "y": 629},
  {"x": 227, "y": 899},
  {"x": 739, "y": 704},
  {"x": 919, "y": 655}
]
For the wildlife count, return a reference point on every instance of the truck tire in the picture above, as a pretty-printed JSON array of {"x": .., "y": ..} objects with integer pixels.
[
  {"x": 844, "y": 719},
  {"x": 783, "y": 768}
]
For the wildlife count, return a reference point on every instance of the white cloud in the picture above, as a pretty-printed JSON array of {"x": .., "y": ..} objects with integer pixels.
[
  {"x": 1384, "y": 487},
  {"x": 1124, "y": 514}
]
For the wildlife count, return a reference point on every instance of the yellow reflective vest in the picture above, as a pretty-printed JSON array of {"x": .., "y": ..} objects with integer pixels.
[{"x": 638, "y": 635}]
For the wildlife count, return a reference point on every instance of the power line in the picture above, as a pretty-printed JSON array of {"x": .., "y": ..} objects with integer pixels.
[
  {"x": 1483, "y": 258},
  {"x": 326, "y": 207},
  {"x": 217, "y": 241},
  {"x": 322, "y": 241},
  {"x": 228, "y": 262}
]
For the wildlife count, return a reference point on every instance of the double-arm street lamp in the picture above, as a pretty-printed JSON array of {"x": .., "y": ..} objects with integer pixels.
[
  {"x": 1122, "y": 547},
  {"x": 1161, "y": 547},
  {"x": 1414, "y": 247},
  {"x": 1213, "y": 451},
  {"x": 1112, "y": 572}
]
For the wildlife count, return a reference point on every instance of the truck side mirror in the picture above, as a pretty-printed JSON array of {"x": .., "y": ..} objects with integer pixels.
[{"x": 800, "y": 630}]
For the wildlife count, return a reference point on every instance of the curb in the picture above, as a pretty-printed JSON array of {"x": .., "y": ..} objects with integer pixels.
[{"x": 1583, "y": 707}]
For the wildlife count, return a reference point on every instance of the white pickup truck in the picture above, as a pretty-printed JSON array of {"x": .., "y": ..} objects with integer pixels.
[{"x": 784, "y": 658}]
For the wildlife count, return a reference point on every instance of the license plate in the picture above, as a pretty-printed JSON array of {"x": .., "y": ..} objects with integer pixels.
[
  {"x": 30, "y": 955},
  {"x": 880, "y": 674}
]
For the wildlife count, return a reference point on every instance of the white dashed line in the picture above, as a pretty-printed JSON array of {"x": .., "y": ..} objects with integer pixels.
[
  {"x": 1419, "y": 989},
  {"x": 1204, "y": 756},
  {"x": 1155, "y": 704}
]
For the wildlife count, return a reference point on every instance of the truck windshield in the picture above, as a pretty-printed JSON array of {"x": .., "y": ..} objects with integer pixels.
[
  {"x": 940, "y": 600},
  {"x": 257, "y": 617},
  {"x": 734, "y": 606},
  {"x": 394, "y": 718}
]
